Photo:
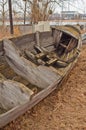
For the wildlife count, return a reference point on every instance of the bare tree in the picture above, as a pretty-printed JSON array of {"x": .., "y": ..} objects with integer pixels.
[
  {"x": 10, "y": 16},
  {"x": 36, "y": 10},
  {"x": 21, "y": 8},
  {"x": 3, "y": 10},
  {"x": 25, "y": 9},
  {"x": 41, "y": 9}
]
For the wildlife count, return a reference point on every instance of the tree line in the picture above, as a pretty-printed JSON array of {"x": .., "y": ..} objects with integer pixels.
[{"x": 35, "y": 10}]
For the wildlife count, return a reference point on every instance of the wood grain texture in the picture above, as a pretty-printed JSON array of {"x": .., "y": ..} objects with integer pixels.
[
  {"x": 40, "y": 76},
  {"x": 13, "y": 94},
  {"x": 17, "y": 111}
]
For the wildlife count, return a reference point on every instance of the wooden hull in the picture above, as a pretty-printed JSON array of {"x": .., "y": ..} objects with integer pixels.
[
  {"x": 19, "y": 110},
  {"x": 48, "y": 74}
]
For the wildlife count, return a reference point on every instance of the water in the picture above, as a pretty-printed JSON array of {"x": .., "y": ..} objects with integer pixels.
[
  {"x": 15, "y": 23},
  {"x": 51, "y": 23},
  {"x": 65, "y": 23}
]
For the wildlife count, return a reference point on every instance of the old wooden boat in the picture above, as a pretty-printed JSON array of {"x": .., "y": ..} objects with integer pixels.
[{"x": 32, "y": 66}]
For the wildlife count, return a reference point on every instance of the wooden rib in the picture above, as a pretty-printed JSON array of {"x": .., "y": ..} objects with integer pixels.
[{"x": 40, "y": 76}]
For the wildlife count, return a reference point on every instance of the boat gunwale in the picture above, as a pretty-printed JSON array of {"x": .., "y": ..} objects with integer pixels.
[
  {"x": 15, "y": 112},
  {"x": 68, "y": 32}
]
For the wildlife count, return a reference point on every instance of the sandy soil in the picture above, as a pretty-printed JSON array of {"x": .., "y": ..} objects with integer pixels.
[{"x": 62, "y": 110}]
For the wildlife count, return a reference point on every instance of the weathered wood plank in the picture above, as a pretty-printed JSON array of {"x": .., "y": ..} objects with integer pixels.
[
  {"x": 57, "y": 36},
  {"x": 37, "y": 38},
  {"x": 41, "y": 76},
  {"x": 13, "y": 93},
  {"x": 52, "y": 61},
  {"x": 30, "y": 55},
  {"x": 17, "y": 111},
  {"x": 2, "y": 76}
]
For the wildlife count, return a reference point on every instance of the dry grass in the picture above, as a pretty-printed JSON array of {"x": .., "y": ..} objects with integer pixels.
[{"x": 5, "y": 32}]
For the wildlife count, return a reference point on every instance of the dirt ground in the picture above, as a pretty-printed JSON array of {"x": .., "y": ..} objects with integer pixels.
[{"x": 62, "y": 110}]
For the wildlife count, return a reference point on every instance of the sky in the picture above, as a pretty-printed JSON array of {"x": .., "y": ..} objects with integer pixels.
[{"x": 73, "y": 5}]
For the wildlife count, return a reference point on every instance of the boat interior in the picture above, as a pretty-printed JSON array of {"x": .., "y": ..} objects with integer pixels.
[
  {"x": 50, "y": 48},
  {"x": 55, "y": 49}
]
